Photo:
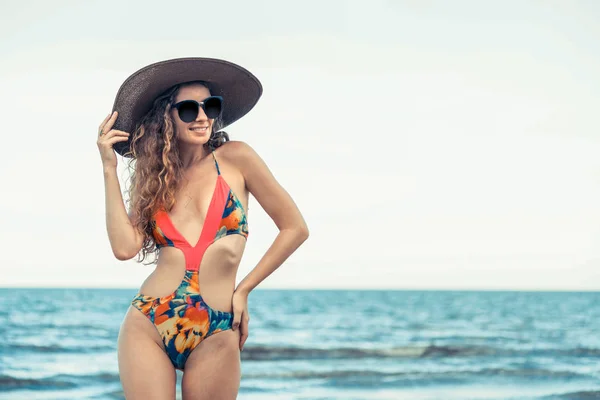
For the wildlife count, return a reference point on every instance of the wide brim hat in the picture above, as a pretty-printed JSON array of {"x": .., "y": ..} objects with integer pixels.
[{"x": 239, "y": 88}]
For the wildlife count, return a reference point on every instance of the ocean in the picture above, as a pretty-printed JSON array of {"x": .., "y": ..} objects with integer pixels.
[{"x": 328, "y": 344}]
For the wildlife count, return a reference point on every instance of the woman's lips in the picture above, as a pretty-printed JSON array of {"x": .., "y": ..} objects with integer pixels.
[{"x": 200, "y": 129}]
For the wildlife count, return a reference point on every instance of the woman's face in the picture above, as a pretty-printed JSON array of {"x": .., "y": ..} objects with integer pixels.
[{"x": 199, "y": 130}]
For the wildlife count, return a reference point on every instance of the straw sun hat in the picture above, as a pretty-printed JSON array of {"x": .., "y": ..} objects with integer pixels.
[{"x": 239, "y": 89}]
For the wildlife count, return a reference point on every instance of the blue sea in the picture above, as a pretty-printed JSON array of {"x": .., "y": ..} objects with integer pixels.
[{"x": 318, "y": 344}]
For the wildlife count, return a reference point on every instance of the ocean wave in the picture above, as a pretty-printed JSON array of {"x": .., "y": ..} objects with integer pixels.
[
  {"x": 352, "y": 376},
  {"x": 295, "y": 353},
  {"x": 413, "y": 375},
  {"x": 71, "y": 326},
  {"x": 114, "y": 395},
  {"x": 12, "y": 348},
  {"x": 581, "y": 395},
  {"x": 12, "y": 383},
  {"x": 61, "y": 381},
  {"x": 258, "y": 353},
  {"x": 269, "y": 353}
]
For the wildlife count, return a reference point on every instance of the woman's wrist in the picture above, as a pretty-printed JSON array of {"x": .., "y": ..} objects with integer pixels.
[
  {"x": 243, "y": 289},
  {"x": 109, "y": 169}
]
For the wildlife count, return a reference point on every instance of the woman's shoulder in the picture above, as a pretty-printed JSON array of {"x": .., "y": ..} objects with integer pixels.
[
  {"x": 242, "y": 156},
  {"x": 236, "y": 152},
  {"x": 233, "y": 147}
]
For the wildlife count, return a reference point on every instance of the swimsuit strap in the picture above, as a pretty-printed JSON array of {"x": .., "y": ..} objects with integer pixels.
[{"x": 216, "y": 163}]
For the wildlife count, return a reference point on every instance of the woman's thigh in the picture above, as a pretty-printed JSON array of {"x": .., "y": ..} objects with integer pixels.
[
  {"x": 213, "y": 369},
  {"x": 144, "y": 368}
]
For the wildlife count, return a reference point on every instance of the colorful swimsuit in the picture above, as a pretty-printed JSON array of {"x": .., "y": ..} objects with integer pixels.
[{"x": 182, "y": 318}]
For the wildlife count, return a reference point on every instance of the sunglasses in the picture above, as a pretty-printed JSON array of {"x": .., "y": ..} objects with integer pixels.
[{"x": 188, "y": 109}]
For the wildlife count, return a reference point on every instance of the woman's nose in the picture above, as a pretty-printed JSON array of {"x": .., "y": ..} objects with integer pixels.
[{"x": 201, "y": 115}]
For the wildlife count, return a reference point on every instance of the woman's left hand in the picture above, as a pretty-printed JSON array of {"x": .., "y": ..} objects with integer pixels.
[{"x": 241, "y": 317}]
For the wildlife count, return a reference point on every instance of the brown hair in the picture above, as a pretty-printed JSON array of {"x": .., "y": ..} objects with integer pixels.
[{"x": 155, "y": 166}]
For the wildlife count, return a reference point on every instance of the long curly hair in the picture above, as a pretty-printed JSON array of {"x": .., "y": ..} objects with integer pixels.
[{"x": 155, "y": 167}]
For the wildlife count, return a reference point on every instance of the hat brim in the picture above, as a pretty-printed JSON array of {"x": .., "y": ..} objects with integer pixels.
[{"x": 239, "y": 88}]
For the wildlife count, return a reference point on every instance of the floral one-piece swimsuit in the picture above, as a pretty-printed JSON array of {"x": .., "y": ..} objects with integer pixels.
[{"x": 182, "y": 318}]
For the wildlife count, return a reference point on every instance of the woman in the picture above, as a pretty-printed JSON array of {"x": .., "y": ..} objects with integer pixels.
[{"x": 189, "y": 201}]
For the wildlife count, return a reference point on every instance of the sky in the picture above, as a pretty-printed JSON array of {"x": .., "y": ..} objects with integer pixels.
[{"x": 428, "y": 144}]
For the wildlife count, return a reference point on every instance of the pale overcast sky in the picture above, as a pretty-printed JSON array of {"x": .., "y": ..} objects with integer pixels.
[{"x": 429, "y": 144}]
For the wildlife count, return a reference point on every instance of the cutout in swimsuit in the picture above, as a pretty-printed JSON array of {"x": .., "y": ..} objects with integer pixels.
[{"x": 182, "y": 318}]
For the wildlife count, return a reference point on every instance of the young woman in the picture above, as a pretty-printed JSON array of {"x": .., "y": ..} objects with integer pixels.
[{"x": 188, "y": 205}]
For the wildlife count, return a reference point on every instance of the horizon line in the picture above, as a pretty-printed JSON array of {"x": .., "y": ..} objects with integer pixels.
[{"x": 400, "y": 289}]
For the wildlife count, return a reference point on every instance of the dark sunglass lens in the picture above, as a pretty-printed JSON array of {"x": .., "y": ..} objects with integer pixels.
[
  {"x": 212, "y": 107},
  {"x": 188, "y": 111}
]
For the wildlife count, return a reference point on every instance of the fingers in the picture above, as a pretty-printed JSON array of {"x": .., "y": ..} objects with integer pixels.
[
  {"x": 237, "y": 316},
  {"x": 243, "y": 332},
  {"x": 241, "y": 316},
  {"x": 108, "y": 122},
  {"x": 111, "y": 137},
  {"x": 106, "y": 133},
  {"x": 114, "y": 132},
  {"x": 115, "y": 139},
  {"x": 104, "y": 122},
  {"x": 107, "y": 137},
  {"x": 241, "y": 320}
]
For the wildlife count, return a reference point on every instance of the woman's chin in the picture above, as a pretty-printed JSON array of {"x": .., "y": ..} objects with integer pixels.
[
  {"x": 200, "y": 136},
  {"x": 196, "y": 140}
]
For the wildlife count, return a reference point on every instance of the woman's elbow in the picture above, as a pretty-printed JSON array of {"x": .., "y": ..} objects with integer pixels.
[
  {"x": 124, "y": 254},
  {"x": 303, "y": 232}
]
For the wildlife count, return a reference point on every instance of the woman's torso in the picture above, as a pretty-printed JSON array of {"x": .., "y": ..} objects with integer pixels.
[{"x": 219, "y": 261}]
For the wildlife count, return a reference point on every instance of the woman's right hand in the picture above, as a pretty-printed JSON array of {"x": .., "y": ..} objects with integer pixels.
[{"x": 107, "y": 137}]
